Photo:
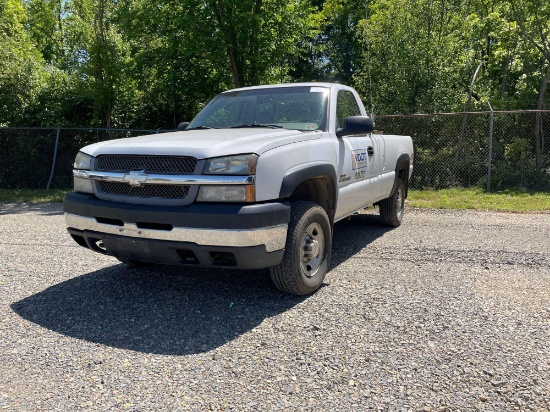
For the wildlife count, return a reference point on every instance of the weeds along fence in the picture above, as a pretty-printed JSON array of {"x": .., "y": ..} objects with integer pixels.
[{"x": 494, "y": 150}]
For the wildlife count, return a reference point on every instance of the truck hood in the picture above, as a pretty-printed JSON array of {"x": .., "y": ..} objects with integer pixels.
[{"x": 203, "y": 144}]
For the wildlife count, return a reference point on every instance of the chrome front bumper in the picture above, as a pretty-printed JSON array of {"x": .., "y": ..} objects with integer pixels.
[{"x": 273, "y": 238}]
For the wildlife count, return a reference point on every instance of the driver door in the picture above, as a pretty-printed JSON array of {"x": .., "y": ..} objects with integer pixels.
[{"x": 356, "y": 168}]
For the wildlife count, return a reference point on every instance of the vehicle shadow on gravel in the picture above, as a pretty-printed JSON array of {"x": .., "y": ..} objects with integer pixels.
[
  {"x": 351, "y": 236},
  {"x": 169, "y": 311}
]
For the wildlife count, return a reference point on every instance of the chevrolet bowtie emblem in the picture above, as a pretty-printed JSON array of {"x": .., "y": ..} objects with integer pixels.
[{"x": 136, "y": 178}]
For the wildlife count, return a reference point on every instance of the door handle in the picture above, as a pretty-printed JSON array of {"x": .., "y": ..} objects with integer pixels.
[{"x": 370, "y": 151}]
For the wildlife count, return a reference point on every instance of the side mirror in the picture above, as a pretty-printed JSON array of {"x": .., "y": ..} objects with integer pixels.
[
  {"x": 356, "y": 125},
  {"x": 182, "y": 126}
]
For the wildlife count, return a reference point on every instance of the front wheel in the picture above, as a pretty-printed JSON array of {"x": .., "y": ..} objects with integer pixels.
[
  {"x": 393, "y": 208},
  {"x": 307, "y": 250}
]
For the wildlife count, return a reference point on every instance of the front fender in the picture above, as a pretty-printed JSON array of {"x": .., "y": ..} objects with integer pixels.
[{"x": 281, "y": 170}]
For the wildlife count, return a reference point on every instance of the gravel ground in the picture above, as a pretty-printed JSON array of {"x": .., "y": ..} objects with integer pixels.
[{"x": 448, "y": 312}]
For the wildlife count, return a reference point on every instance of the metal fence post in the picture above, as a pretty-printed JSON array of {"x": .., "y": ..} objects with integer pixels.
[
  {"x": 54, "y": 158},
  {"x": 491, "y": 126}
]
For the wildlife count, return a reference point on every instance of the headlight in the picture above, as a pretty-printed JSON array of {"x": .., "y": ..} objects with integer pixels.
[
  {"x": 82, "y": 161},
  {"x": 232, "y": 165},
  {"x": 227, "y": 194}
]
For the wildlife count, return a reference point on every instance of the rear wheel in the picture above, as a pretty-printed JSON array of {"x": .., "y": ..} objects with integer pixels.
[
  {"x": 307, "y": 251},
  {"x": 393, "y": 208}
]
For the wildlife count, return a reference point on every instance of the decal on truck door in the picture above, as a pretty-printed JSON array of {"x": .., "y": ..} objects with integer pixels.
[{"x": 359, "y": 159}]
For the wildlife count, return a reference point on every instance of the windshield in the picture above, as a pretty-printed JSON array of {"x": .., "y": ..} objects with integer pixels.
[{"x": 297, "y": 108}]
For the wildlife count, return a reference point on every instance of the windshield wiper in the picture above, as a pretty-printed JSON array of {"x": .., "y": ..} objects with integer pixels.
[
  {"x": 270, "y": 126},
  {"x": 201, "y": 128}
]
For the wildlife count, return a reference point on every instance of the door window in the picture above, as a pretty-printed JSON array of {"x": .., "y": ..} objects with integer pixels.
[{"x": 346, "y": 105}]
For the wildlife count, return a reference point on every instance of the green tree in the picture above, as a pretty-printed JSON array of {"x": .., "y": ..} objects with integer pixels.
[
  {"x": 255, "y": 38},
  {"x": 533, "y": 18},
  {"x": 45, "y": 27},
  {"x": 340, "y": 39},
  {"x": 199, "y": 48},
  {"x": 21, "y": 67},
  {"x": 412, "y": 56}
]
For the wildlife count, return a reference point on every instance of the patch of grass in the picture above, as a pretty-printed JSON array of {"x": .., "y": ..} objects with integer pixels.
[
  {"x": 507, "y": 200},
  {"x": 474, "y": 198},
  {"x": 31, "y": 196}
]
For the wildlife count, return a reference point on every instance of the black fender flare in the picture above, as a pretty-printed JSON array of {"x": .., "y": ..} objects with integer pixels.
[
  {"x": 294, "y": 177},
  {"x": 306, "y": 172},
  {"x": 403, "y": 158}
]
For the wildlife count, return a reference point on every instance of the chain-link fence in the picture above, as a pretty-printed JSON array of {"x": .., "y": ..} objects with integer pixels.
[
  {"x": 451, "y": 150},
  {"x": 42, "y": 158},
  {"x": 494, "y": 150}
]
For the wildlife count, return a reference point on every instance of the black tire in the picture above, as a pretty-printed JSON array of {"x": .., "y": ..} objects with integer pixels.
[
  {"x": 307, "y": 250},
  {"x": 392, "y": 209}
]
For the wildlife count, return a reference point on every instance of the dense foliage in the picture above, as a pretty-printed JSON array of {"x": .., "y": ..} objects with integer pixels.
[{"x": 154, "y": 63}]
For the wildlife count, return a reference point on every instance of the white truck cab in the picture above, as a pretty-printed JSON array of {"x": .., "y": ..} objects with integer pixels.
[{"x": 256, "y": 180}]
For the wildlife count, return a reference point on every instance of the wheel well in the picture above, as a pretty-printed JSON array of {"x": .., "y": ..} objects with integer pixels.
[{"x": 319, "y": 190}]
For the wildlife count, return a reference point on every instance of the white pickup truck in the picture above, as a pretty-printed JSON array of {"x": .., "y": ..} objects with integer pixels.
[{"x": 256, "y": 180}]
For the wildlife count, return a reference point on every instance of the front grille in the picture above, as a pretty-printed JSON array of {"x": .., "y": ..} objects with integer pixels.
[
  {"x": 150, "y": 164},
  {"x": 145, "y": 191},
  {"x": 124, "y": 192}
]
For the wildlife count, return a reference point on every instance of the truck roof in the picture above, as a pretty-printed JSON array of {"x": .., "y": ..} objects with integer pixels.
[{"x": 269, "y": 86}]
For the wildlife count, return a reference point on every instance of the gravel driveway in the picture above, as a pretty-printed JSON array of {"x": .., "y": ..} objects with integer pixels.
[{"x": 451, "y": 311}]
